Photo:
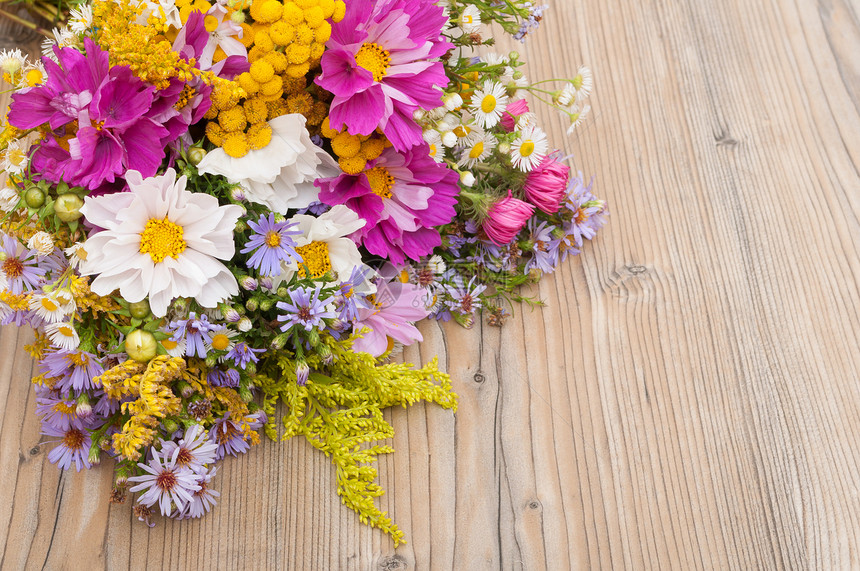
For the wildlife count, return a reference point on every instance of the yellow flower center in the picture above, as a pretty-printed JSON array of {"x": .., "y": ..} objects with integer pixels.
[
  {"x": 66, "y": 331},
  {"x": 315, "y": 257},
  {"x": 488, "y": 103},
  {"x": 220, "y": 341},
  {"x": 33, "y": 77},
  {"x": 273, "y": 239},
  {"x": 210, "y": 23},
  {"x": 432, "y": 150},
  {"x": 162, "y": 238},
  {"x": 169, "y": 345},
  {"x": 13, "y": 267},
  {"x": 64, "y": 408},
  {"x": 185, "y": 97},
  {"x": 49, "y": 304},
  {"x": 477, "y": 150},
  {"x": 380, "y": 181},
  {"x": 374, "y": 59},
  {"x": 74, "y": 439},
  {"x": 461, "y": 130},
  {"x": 527, "y": 148},
  {"x": 16, "y": 156}
]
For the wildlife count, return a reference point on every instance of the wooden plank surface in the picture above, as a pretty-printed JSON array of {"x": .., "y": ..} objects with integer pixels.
[{"x": 689, "y": 397}]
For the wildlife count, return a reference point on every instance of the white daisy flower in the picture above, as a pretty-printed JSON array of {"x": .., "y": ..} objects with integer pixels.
[
  {"x": 452, "y": 101},
  {"x": 492, "y": 58},
  {"x": 15, "y": 159},
  {"x": 9, "y": 197},
  {"x": 468, "y": 135},
  {"x": 220, "y": 339},
  {"x": 566, "y": 96},
  {"x": 324, "y": 245},
  {"x": 467, "y": 179},
  {"x": 33, "y": 74},
  {"x": 478, "y": 151},
  {"x": 12, "y": 61},
  {"x": 51, "y": 307},
  {"x": 432, "y": 137},
  {"x": 529, "y": 149},
  {"x": 449, "y": 139},
  {"x": 80, "y": 19},
  {"x": 63, "y": 38},
  {"x": 437, "y": 264},
  {"x": 42, "y": 243},
  {"x": 583, "y": 83},
  {"x": 63, "y": 335},
  {"x": 488, "y": 104},
  {"x": 436, "y": 152},
  {"x": 280, "y": 175},
  {"x": 160, "y": 241},
  {"x": 173, "y": 348},
  {"x": 470, "y": 20},
  {"x": 76, "y": 253},
  {"x": 577, "y": 116}
]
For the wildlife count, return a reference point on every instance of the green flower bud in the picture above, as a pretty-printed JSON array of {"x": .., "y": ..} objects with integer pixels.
[
  {"x": 139, "y": 309},
  {"x": 195, "y": 155},
  {"x": 34, "y": 197},
  {"x": 141, "y": 345},
  {"x": 68, "y": 207}
]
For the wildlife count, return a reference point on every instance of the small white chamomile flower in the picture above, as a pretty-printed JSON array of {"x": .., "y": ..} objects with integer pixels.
[
  {"x": 467, "y": 134},
  {"x": 76, "y": 254},
  {"x": 478, "y": 152},
  {"x": 452, "y": 101},
  {"x": 488, "y": 104},
  {"x": 470, "y": 20},
  {"x": 220, "y": 339},
  {"x": 9, "y": 197},
  {"x": 449, "y": 139},
  {"x": 11, "y": 61},
  {"x": 80, "y": 19},
  {"x": 529, "y": 149},
  {"x": 467, "y": 179},
  {"x": 50, "y": 307},
  {"x": 42, "y": 243},
  {"x": 33, "y": 74},
  {"x": 582, "y": 83},
  {"x": 15, "y": 159},
  {"x": 63, "y": 335},
  {"x": 577, "y": 116}
]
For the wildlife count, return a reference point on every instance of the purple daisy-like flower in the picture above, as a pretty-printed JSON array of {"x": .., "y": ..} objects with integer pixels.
[
  {"x": 195, "y": 332},
  {"x": 74, "y": 369},
  {"x": 111, "y": 106},
  {"x": 397, "y": 307},
  {"x": 165, "y": 482},
  {"x": 195, "y": 449},
  {"x": 464, "y": 298},
  {"x": 202, "y": 500},
  {"x": 20, "y": 270},
  {"x": 229, "y": 436},
  {"x": 59, "y": 411},
  {"x": 378, "y": 64},
  {"x": 351, "y": 300},
  {"x": 271, "y": 244},
  {"x": 223, "y": 377},
  {"x": 403, "y": 197},
  {"x": 73, "y": 448},
  {"x": 587, "y": 212},
  {"x": 544, "y": 256},
  {"x": 305, "y": 309},
  {"x": 242, "y": 354}
]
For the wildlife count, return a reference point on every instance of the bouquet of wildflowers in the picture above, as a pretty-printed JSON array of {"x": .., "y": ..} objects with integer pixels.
[{"x": 221, "y": 218}]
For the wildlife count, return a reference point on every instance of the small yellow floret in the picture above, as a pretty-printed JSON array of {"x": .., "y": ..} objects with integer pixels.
[
  {"x": 294, "y": 84},
  {"x": 292, "y": 14},
  {"x": 352, "y": 166},
  {"x": 299, "y": 70},
  {"x": 314, "y": 16},
  {"x": 277, "y": 107},
  {"x": 33, "y": 77},
  {"x": 317, "y": 113},
  {"x": 210, "y": 22},
  {"x": 300, "y": 103},
  {"x": 215, "y": 133},
  {"x": 235, "y": 145},
  {"x": 339, "y": 11},
  {"x": 256, "y": 111},
  {"x": 223, "y": 97},
  {"x": 269, "y": 12},
  {"x": 233, "y": 119},
  {"x": 277, "y": 60},
  {"x": 372, "y": 148},
  {"x": 259, "y": 136},
  {"x": 248, "y": 84},
  {"x": 297, "y": 54},
  {"x": 317, "y": 51},
  {"x": 247, "y": 35},
  {"x": 327, "y": 8},
  {"x": 263, "y": 41},
  {"x": 345, "y": 146},
  {"x": 326, "y": 130},
  {"x": 323, "y": 32},
  {"x": 305, "y": 4},
  {"x": 262, "y": 71},
  {"x": 304, "y": 34},
  {"x": 272, "y": 87},
  {"x": 282, "y": 33}
]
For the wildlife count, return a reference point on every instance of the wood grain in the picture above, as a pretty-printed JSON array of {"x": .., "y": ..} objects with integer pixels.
[{"x": 689, "y": 397}]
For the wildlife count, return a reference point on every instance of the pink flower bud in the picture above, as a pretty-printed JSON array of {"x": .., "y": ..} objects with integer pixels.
[
  {"x": 546, "y": 185},
  {"x": 512, "y": 112},
  {"x": 506, "y": 218}
]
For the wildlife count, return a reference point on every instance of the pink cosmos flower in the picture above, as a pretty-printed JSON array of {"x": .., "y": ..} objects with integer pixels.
[
  {"x": 546, "y": 185},
  {"x": 506, "y": 218},
  {"x": 403, "y": 197},
  {"x": 378, "y": 64},
  {"x": 396, "y": 306},
  {"x": 512, "y": 113}
]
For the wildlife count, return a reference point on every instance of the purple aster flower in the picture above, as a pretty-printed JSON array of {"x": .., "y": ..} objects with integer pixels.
[
  {"x": 397, "y": 306},
  {"x": 111, "y": 106},
  {"x": 305, "y": 309},
  {"x": 543, "y": 255},
  {"x": 195, "y": 332},
  {"x": 242, "y": 354},
  {"x": 351, "y": 298},
  {"x": 587, "y": 212},
  {"x": 165, "y": 482},
  {"x": 202, "y": 500},
  {"x": 272, "y": 244},
  {"x": 20, "y": 270},
  {"x": 218, "y": 377},
  {"x": 57, "y": 410},
  {"x": 230, "y": 437},
  {"x": 73, "y": 448},
  {"x": 195, "y": 449},
  {"x": 74, "y": 369},
  {"x": 465, "y": 299},
  {"x": 379, "y": 65},
  {"x": 532, "y": 23},
  {"x": 403, "y": 197}
]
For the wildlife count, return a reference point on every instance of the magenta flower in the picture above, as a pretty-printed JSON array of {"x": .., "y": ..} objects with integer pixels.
[
  {"x": 111, "y": 106},
  {"x": 513, "y": 112},
  {"x": 378, "y": 65},
  {"x": 397, "y": 306},
  {"x": 546, "y": 185},
  {"x": 403, "y": 197},
  {"x": 506, "y": 218}
]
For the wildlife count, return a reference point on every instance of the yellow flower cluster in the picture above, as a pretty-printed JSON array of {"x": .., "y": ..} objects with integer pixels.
[
  {"x": 37, "y": 348},
  {"x": 147, "y": 48},
  {"x": 149, "y": 383},
  {"x": 285, "y": 41},
  {"x": 89, "y": 301},
  {"x": 354, "y": 151}
]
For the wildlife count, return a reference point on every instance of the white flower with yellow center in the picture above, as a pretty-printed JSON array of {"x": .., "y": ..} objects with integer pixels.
[
  {"x": 76, "y": 253},
  {"x": 470, "y": 20},
  {"x": 468, "y": 134},
  {"x": 160, "y": 241},
  {"x": 63, "y": 335},
  {"x": 529, "y": 149},
  {"x": 11, "y": 61},
  {"x": 220, "y": 339},
  {"x": 33, "y": 74},
  {"x": 478, "y": 152},
  {"x": 577, "y": 116},
  {"x": 42, "y": 243},
  {"x": 53, "y": 306},
  {"x": 488, "y": 104},
  {"x": 15, "y": 158},
  {"x": 80, "y": 19},
  {"x": 9, "y": 196},
  {"x": 324, "y": 245},
  {"x": 280, "y": 175}
]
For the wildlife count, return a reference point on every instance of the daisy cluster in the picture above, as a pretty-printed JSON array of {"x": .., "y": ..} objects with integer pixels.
[{"x": 203, "y": 201}]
